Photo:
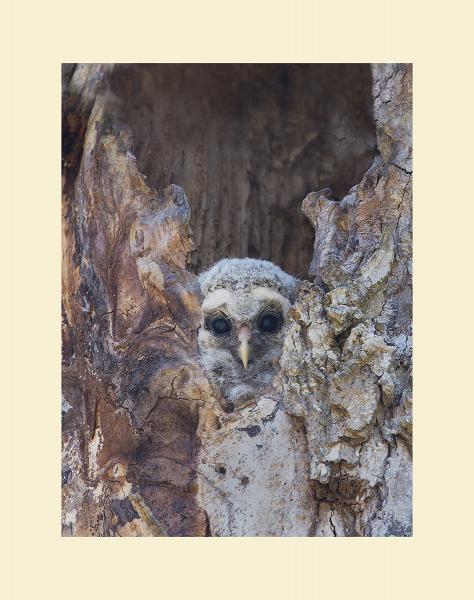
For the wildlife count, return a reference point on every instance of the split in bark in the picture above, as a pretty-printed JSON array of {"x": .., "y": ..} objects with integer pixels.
[{"x": 147, "y": 450}]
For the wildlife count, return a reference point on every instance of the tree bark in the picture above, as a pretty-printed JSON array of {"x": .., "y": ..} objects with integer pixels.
[
  {"x": 147, "y": 450},
  {"x": 346, "y": 368}
]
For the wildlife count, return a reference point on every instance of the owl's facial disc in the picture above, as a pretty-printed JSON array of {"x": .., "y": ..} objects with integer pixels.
[
  {"x": 247, "y": 338},
  {"x": 241, "y": 335}
]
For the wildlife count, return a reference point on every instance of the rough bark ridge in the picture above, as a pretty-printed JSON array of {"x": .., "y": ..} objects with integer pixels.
[
  {"x": 146, "y": 449},
  {"x": 131, "y": 387},
  {"x": 346, "y": 368}
]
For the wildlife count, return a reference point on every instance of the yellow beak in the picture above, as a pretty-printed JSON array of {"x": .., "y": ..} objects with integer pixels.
[
  {"x": 244, "y": 352},
  {"x": 243, "y": 337}
]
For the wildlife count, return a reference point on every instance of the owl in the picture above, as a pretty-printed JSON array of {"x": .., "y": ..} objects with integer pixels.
[{"x": 244, "y": 312}]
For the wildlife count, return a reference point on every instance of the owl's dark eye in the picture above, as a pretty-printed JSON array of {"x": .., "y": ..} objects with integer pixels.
[
  {"x": 220, "y": 325},
  {"x": 269, "y": 322}
]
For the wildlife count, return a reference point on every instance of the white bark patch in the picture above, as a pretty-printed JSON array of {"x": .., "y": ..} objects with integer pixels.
[
  {"x": 95, "y": 445},
  {"x": 253, "y": 474}
]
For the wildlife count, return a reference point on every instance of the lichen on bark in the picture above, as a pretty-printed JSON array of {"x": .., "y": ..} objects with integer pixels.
[
  {"x": 346, "y": 367},
  {"x": 147, "y": 450}
]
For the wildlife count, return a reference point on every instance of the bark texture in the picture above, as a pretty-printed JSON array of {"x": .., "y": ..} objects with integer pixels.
[
  {"x": 147, "y": 450},
  {"x": 131, "y": 387},
  {"x": 346, "y": 368},
  {"x": 247, "y": 143}
]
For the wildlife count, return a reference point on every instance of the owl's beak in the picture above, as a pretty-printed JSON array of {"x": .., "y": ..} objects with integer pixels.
[{"x": 243, "y": 350}]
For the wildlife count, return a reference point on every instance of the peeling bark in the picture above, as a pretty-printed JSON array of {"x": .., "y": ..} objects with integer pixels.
[
  {"x": 130, "y": 314},
  {"x": 346, "y": 368},
  {"x": 147, "y": 450}
]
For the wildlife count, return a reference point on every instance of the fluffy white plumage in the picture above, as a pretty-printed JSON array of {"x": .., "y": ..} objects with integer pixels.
[
  {"x": 244, "y": 273},
  {"x": 243, "y": 322}
]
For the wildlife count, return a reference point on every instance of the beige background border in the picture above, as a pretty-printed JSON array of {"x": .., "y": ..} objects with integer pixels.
[{"x": 432, "y": 564}]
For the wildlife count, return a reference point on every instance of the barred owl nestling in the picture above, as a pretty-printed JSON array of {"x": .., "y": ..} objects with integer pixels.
[{"x": 243, "y": 317}]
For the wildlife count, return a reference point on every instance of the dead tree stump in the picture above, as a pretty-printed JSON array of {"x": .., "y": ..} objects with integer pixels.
[{"x": 147, "y": 450}]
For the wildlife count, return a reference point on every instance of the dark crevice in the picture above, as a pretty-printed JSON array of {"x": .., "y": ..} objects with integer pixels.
[
  {"x": 247, "y": 142},
  {"x": 333, "y": 528}
]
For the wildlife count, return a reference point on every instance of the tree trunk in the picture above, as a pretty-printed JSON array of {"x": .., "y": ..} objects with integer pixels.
[{"x": 147, "y": 450}]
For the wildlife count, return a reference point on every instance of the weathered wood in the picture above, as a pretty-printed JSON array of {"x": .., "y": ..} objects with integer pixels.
[
  {"x": 346, "y": 368},
  {"x": 147, "y": 450},
  {"x": 131, "y": 310},
  {"x": 247, "y": 143}
]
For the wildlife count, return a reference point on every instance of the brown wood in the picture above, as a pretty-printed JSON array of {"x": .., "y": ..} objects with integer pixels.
[{"x": 247, "y": 143}]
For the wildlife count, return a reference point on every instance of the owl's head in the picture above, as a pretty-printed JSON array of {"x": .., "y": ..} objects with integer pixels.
[{"x": 243, "y": 321}]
